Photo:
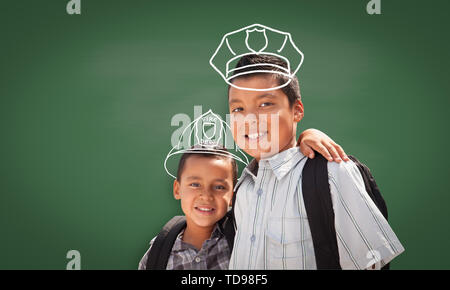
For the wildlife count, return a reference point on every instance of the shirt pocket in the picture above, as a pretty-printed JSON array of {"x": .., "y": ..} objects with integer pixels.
[{"x": 285, "y": 238}]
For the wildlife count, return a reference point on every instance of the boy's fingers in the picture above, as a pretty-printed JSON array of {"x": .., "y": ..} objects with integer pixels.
[
  {"x": 324, "y": 151},
  {"x": 341, "y": 152},
  {"x": 333, "y": 152},
  {"x": 306, "y": 150}
]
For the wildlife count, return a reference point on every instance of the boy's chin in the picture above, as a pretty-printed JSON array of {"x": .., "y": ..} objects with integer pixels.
[
  {"x": 205, "y": 223},
  {"x": 260, "y": 153}
]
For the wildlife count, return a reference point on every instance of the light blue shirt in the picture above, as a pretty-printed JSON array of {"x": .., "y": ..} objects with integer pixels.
[{"x": 272, "y": 226}]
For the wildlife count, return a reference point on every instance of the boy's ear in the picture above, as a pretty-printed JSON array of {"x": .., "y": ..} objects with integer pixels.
[
  {"x": 298, "y": 111},
  {"x": 176, "y": 189}
]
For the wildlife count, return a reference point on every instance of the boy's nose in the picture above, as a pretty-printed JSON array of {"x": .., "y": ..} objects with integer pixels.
[
  {"x": 252, "y": 112},
  {"x": 251, "y": 118},
  {"x": 251, "y": 124},
  {"x": 206, "y": 194}
]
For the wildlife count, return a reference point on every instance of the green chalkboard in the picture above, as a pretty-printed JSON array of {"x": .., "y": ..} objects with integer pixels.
[{"x": 86, "y": 102}]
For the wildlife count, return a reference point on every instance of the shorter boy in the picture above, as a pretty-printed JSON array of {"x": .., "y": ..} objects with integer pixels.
[{"x": 204, "y": 185}]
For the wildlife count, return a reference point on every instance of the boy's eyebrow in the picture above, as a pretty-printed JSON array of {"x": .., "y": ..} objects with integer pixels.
[
  {"x": 234, "y": 101},
  {"x": 197, "y": 177},
  {"x": 220, "y": 179},
  {"x": 266, "y": 95}
]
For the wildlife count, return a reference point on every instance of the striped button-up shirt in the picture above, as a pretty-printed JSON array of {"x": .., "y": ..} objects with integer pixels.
[{"x": 272, "y": 226}]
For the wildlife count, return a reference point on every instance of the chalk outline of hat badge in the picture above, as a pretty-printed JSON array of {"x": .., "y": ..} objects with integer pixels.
[
  {"x": 215, "y": 124},
  {"x": 249, "y": 29}
]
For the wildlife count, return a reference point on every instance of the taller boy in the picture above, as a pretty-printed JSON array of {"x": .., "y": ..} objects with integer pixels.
[{"x": 272, "y": 225}]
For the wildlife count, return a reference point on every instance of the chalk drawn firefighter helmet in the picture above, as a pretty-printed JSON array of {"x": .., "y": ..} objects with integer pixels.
[{"x": 208, "y": 134}]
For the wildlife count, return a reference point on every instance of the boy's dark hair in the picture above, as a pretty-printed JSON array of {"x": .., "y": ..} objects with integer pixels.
[
  {"x": 208, "y": 152},
  {"x": 292, "y": 90}
]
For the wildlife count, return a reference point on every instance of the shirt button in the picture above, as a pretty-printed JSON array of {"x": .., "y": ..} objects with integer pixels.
[
  {"x": 197, "y": 259},
  {"x": 259, "y": 192},
  {"x": 253, "y": 238}
]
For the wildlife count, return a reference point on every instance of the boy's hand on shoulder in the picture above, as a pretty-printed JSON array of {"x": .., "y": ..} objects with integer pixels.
[{"x": 312, "y": 139}]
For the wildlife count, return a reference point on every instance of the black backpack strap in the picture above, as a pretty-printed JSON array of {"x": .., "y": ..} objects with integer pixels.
[
  {"x": 371, "y": 186},
  {"x": 319, "y": 209},
  {"x": 162, "y": 246},
  {"x": 228, "y": 223}
]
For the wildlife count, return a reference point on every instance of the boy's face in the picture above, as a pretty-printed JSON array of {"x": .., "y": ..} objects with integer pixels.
[
  {"x": 205, "y": 189},
  {"x": 263, "y": 122}
]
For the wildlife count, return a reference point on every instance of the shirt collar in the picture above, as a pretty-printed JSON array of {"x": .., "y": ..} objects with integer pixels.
[
  {"x": 246, "y": 172},
  {"x": 280, "y": 164},
  {"x": 180, "y": 245}
]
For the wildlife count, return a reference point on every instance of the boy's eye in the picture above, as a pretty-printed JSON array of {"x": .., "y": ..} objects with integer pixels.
[
  {"x": 194, "y": 184},
  {"x": 237, "y": 110},
  {"x": 266, "y": 104},
  {"x": 219, "y": 187}
]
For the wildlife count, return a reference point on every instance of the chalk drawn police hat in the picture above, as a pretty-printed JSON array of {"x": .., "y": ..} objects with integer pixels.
[{"x": 260, "y": 40}]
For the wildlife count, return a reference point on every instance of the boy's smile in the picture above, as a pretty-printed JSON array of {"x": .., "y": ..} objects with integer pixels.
[
  {"x": 257, "y": 137},
  {"x": 205, "y": 189},
  {"x": 205, "y": 209},
  {"x": 263, "y": 122}
]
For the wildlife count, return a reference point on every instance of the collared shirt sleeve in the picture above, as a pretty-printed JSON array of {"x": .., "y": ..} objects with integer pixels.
[{"x": 363, "y": 235}]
